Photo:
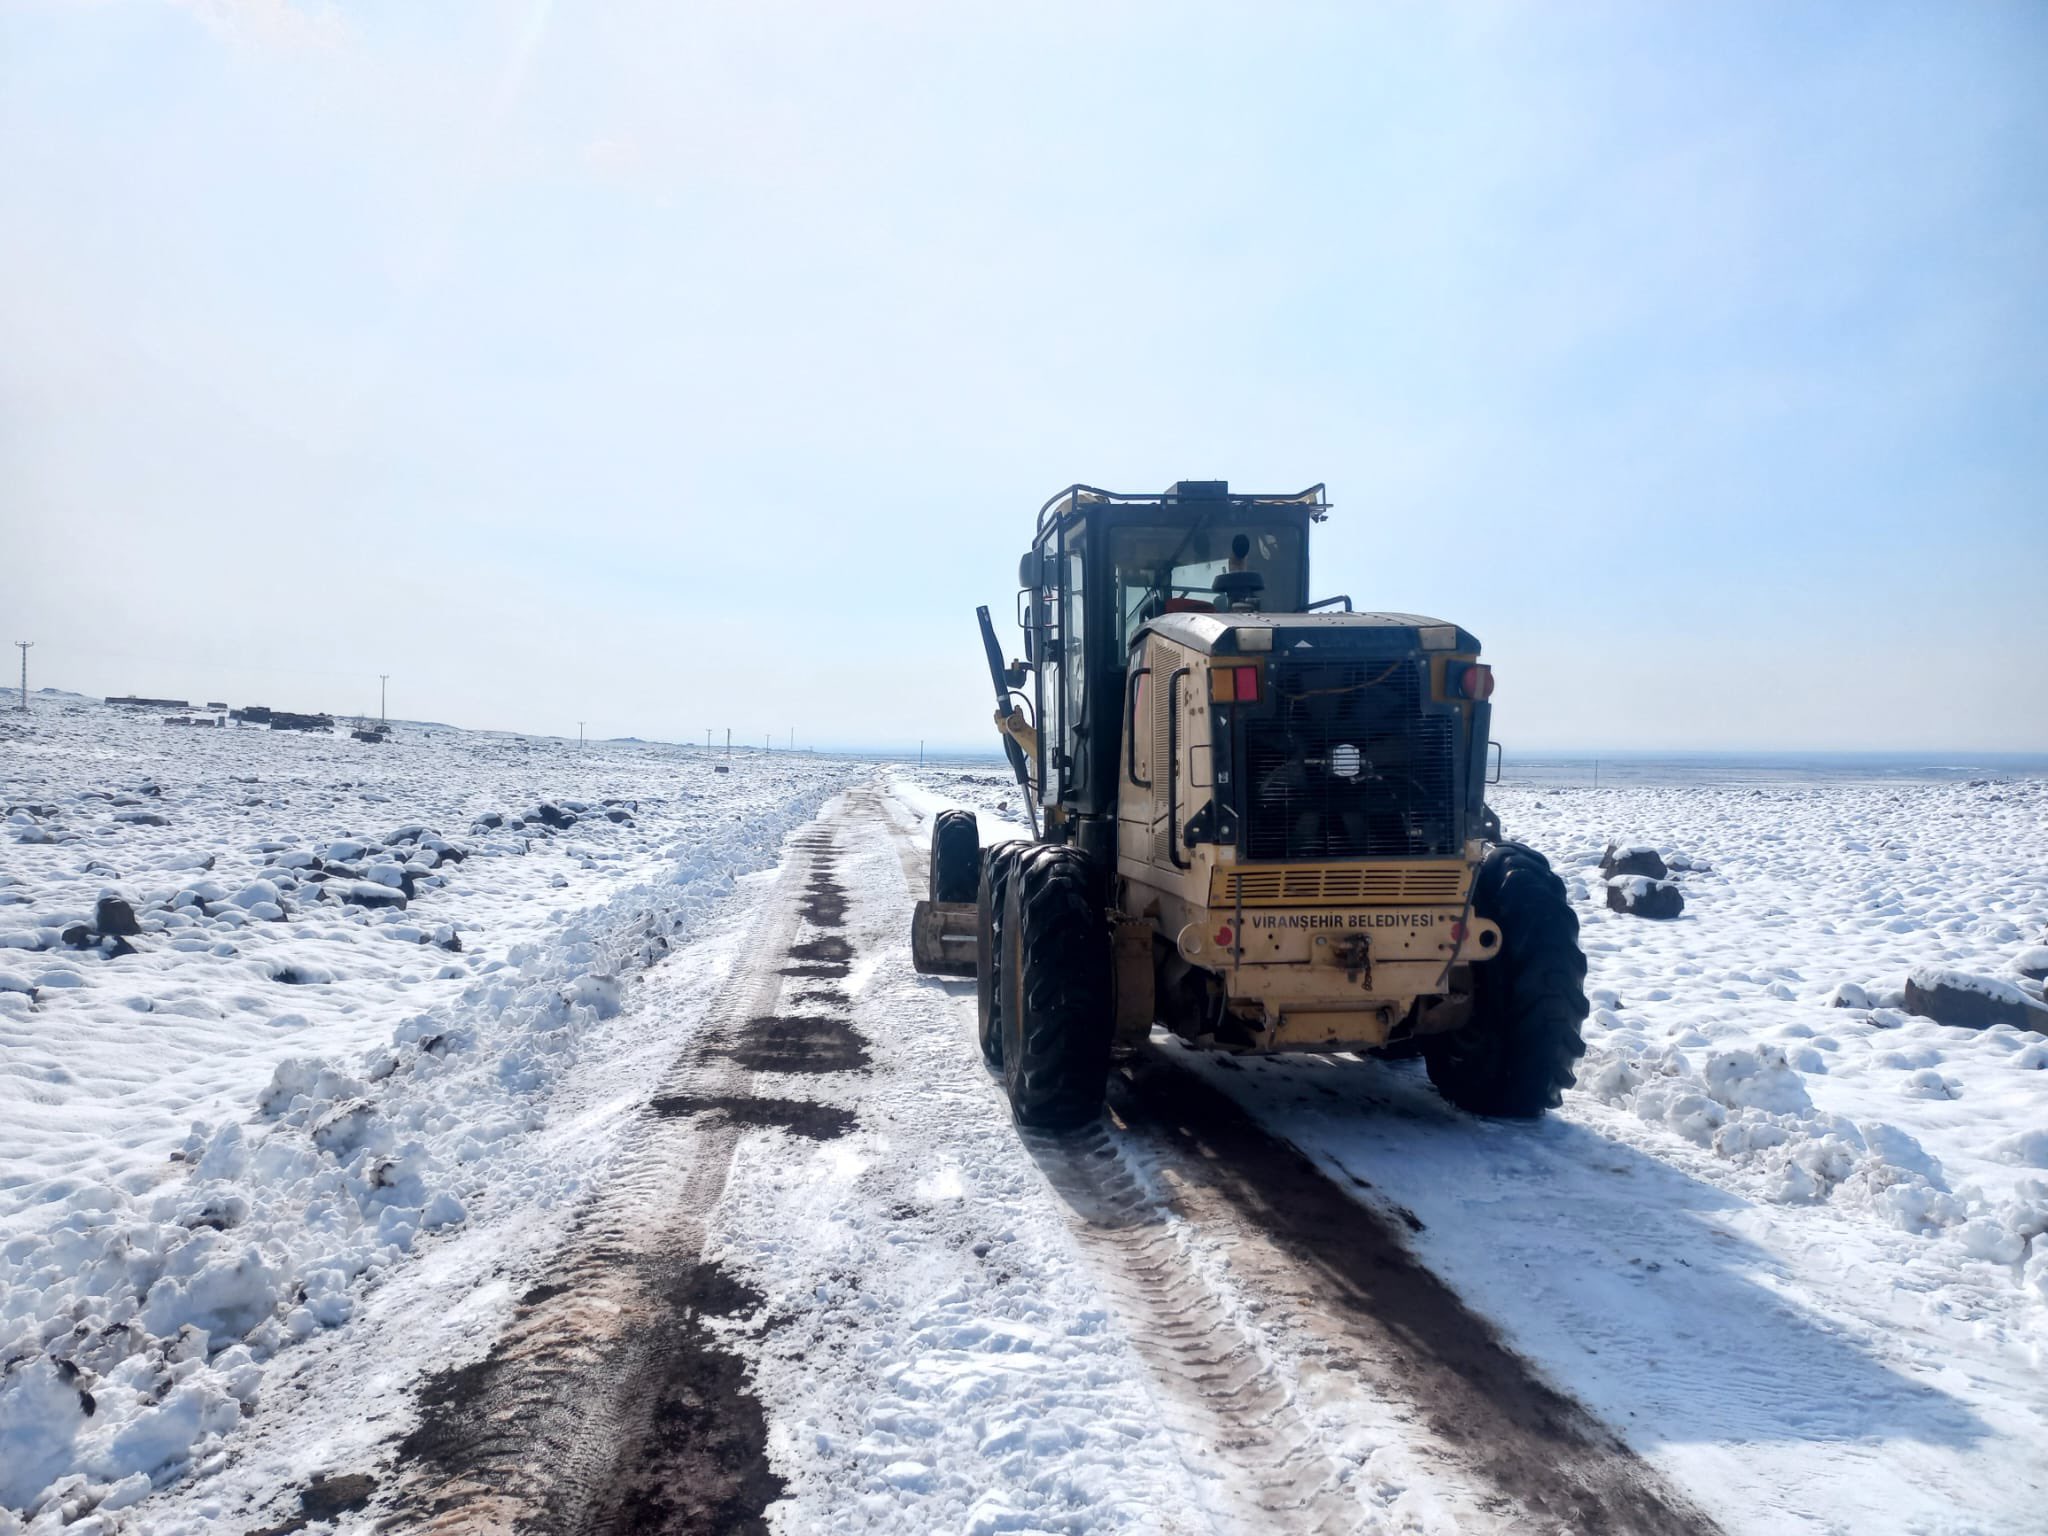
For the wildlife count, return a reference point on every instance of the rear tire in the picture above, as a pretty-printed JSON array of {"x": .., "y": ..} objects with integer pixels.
[
  {"x": 996, "y": 866},
  {"x": 1057, "y": 1013},
  {"x": 1518, "y": 1054},
  {"x": 956, "y": 855}
]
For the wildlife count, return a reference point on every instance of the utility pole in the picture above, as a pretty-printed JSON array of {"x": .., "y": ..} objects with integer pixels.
[
  {"x": 920, "y": 752},
  {"x": 579, "y": 735},
  {"x": 728, "y": 741},
  {"x": 792, "y": 738},
  {"x": 24, "y": 646},
  {"x": 707, "y": 738},
  {"x": 383, "y": 716}
]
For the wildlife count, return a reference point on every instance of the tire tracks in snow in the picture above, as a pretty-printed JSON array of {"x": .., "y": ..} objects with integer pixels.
[
  {"x": 610, "y": 1401},
  {"x": 1177, "y": 1173},
  {"x": 1257, "y": 1459},
  {"x": 1338, "y": 1274}
]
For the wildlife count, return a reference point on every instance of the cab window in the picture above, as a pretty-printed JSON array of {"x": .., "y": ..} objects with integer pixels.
[{"x": 1155, "y": 566}]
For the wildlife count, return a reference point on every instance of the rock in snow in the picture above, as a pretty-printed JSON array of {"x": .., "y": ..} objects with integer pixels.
[
  {"x": 1637, "y": 859},
  {"x": 1641, "y": 896},
  {"x": 1971, "y": 1002},
  {"x": 367, "y": 893},
  {"x": 115, "y": 916}
]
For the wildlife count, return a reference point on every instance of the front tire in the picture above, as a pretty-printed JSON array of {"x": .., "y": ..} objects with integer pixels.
[
  {"x": 956, "y": 856},
  {"x": 1518, "y": 1054},
  {"x": 1057, "y": 1013},
  {"x": 996, "y": 866}
]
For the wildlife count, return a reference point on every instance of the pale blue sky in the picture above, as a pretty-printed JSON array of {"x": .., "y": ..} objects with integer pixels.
[{"x": 670, "y": 366}]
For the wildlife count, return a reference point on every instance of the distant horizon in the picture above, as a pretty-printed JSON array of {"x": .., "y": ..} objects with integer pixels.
[{"x": 991, "y": 751}]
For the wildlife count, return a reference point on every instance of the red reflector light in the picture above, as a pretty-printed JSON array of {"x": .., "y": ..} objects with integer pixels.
[
  {"x": 1477, "y": 682},
  {"x": 1234, "y": 685}
]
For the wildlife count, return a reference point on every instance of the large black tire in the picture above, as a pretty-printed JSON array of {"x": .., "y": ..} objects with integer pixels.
[
  {"x": 1057, "y": 1008},
  {"x": 996, "y": 864},
  {"x": 956, "y": 855},
  {"x": 1518, "y": 1054}
]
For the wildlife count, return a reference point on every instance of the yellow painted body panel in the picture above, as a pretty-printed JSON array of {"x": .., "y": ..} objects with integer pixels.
[{"x": 1325, "y": 955}]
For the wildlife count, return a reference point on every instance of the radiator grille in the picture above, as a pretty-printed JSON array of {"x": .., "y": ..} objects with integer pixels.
[
  {"x": 1336, "y": 885},
  {"x": 1400, "y": 803}
]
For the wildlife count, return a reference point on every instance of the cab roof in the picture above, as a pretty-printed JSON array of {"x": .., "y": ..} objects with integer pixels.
[{"x": 1198, "y": 496}]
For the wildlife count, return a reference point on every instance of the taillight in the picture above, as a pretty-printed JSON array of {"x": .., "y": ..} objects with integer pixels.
[
  {"x": 1476, "y": 682},
  {"x": 1234, "y": 685}
]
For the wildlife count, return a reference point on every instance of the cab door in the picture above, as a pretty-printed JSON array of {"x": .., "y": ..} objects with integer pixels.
[
  {"x": 1060, "y": 630},
  {"x": 1153, "y": 762},
  {"x": 1137, "y": 780}
]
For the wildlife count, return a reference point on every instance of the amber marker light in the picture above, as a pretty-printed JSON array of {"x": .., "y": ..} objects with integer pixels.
[{"x": 1234, "y": 685}]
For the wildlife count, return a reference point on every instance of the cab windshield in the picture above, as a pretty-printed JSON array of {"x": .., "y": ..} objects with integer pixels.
[{"x": 1161, "y": 570}]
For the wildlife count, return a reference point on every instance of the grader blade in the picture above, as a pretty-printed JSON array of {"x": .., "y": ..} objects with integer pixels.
[{"x": 942, "y": 938}]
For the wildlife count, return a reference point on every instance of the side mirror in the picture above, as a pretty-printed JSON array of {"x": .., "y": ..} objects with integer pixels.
[{"x": 1038, "y": 569}]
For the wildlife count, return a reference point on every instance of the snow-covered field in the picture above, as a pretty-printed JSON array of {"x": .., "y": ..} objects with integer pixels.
[{"x": 359, "y": 974}]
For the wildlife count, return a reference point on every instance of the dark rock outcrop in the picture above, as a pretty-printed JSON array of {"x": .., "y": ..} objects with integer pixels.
[
  {"x": 1640, "y": 896},
  {"x": 367, "y": 893},
  {"x": 115, "y": 916},
  {"x": 1971, "y": 1002},
  {"x": 1640, "y": 859}
]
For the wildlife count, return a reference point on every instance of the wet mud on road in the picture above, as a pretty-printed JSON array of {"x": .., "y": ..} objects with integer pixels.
[
  {"x": 615, "y": 1399},
  {"x": 1392, "y": 1325}
]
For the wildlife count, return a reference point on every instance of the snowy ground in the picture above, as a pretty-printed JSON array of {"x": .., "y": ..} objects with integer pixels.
[
  {"x": 216, "y": 1146},
  {"x": 670, "y": 1127}
]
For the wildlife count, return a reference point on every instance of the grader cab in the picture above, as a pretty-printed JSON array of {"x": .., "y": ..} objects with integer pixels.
[{"x": 1264, "y": 823}]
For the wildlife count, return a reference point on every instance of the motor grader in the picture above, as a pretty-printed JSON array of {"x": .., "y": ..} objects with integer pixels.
[{"x": 1264, "y": 823}]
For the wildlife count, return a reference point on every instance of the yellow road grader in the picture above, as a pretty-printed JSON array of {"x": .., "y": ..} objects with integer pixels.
[{"x": 1258, "y": 820}]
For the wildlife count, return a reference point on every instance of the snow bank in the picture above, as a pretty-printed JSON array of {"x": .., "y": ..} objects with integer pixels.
[{"x": 1750, "y": 1107}]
